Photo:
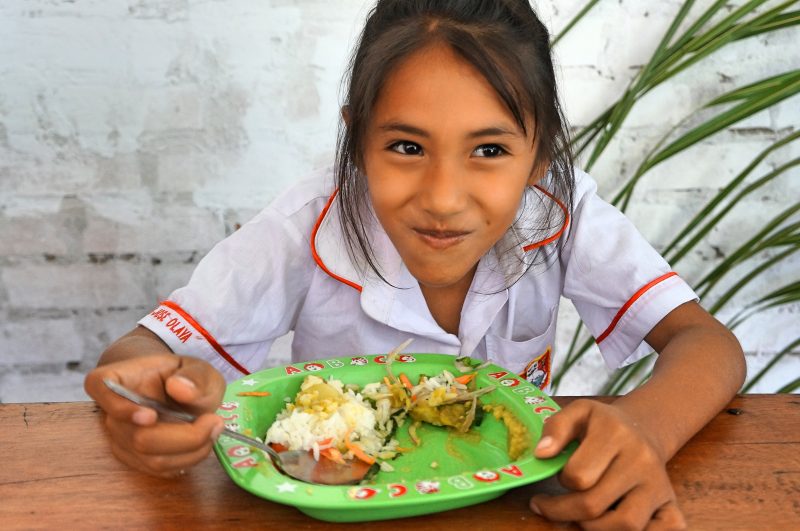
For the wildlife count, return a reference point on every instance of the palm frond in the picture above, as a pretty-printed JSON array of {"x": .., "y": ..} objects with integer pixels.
[
  {"x": 765, "y": 245},
  {"x": 772, "y": 362}
]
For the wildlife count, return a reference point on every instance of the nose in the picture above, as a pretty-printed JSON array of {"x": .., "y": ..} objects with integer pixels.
[{"x": 443, "y": 192}]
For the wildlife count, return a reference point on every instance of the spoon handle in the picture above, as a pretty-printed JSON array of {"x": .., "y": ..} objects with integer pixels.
[
  {"x": 165, "y": 410},
  {"x": 136, "y": 398}
]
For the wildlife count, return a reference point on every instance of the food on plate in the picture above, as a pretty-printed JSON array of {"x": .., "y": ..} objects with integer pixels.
[
  {"x": 345, "y": 422},
  {"x": 334, "y": 422},
  {"x": 518, "y": 439}
]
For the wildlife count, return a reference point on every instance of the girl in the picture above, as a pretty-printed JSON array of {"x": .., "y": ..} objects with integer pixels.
[{"x": 453, "y": 216}]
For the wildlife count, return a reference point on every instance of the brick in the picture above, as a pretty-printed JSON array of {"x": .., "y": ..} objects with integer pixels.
[
  {"x": 65, "y": 386},
  {"x": 112, "y": 284},
  {"x": 101, "y": 328},
  {"x": 785, "y": 371},
  {"x": 169, "y": 277},
  {"x": 134, "y": 224},
  {"x": 36, "y": 340},
  {"x": 36, "y": 234}
]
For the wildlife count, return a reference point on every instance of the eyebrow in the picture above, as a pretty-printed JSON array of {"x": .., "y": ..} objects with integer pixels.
[{"x": 496, "y": 130}]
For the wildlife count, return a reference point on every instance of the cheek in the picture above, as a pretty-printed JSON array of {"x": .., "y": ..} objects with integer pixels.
[
  {"x": 388, "y": 188},
  {"x": 501, "y": 202}
]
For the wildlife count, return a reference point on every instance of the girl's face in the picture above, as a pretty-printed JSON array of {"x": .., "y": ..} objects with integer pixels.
[{"x": 446, "y": 165}]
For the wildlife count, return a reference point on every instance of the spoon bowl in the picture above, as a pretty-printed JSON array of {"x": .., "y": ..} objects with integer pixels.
[{"x": 298, "y": 464}]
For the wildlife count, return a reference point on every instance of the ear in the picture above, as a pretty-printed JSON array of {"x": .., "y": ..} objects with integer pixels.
[{"x": 346, "y": 114}]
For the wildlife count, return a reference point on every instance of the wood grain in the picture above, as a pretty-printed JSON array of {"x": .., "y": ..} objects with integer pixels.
[{"x": 740, "y": 472}]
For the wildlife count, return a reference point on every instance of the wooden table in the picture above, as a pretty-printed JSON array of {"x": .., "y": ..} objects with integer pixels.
[{"x": 741, "y": 472}]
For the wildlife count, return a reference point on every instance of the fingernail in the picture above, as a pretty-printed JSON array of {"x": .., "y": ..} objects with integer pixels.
[
  {"x": 544, "y": 443},
  {"x": 216, "y": 432},
  {"x": 535, "y": 509},
  {"x": 186, "y": 381},
  {"x": 143, "y": 417}
]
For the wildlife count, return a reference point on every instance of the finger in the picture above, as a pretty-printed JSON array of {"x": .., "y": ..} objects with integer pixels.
[
  {"x": 563, "y": 427},
  {"x": 196, "y": 385},
  {"x": 634, "y": 511},
  {"x": 589, "y": 504},
  {"x": 145, "y": 375},
  {"x": 590, "y": 461},
  {"x": 166, "y": 438},
  {"x": 668, "y": 518}
]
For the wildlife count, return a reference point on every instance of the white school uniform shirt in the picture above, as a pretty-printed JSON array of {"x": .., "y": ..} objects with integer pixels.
[{"x": 288, "y": 270}]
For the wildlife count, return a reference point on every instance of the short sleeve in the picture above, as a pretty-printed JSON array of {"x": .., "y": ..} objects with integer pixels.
[
  {"x": 246, "y": 292},
  {"x": 619, "y": 284}
]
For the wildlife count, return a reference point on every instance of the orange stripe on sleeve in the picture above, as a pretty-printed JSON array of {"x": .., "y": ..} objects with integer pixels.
[
  {"x": 207, "y": 336},
  {"x": 630, "y": 302}
]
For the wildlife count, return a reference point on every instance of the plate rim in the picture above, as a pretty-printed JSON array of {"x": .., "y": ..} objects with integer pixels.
[{"x": 338, "y": 497}]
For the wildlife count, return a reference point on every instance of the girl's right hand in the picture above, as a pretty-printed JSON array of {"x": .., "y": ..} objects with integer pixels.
[{"x": 138, "y": 438}]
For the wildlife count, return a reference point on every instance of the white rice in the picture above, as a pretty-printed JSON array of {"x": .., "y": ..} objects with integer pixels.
[{"x": 297, "y": 428}]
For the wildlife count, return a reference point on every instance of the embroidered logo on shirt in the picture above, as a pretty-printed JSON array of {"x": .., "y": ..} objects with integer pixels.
[
  {"x": 537, "y": 371},
  {"x": 175, "y": 325}
]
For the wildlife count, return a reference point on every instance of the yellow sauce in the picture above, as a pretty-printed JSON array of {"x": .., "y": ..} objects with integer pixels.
[
  {"x": 518, "y": 439},
  {"x": 452, "y": 415}
]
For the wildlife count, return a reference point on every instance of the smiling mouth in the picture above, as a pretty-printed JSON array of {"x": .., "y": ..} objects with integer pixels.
[{"x": 441, "y": 239}]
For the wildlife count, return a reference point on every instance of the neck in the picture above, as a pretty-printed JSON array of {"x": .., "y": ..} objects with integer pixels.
[{"x": 445, "y": 303}]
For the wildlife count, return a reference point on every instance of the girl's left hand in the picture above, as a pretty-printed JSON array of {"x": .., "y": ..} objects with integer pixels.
[{"x": 617, "y": 477}]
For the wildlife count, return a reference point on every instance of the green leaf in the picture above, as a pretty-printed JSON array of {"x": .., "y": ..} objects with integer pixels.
[
  {"x": 574, "y": 21},
  {"x": 764, "y": 239},
  {"x": 619, "y": 380},
  {"x": 779, "y": 239},
  {"x": 749, "y": 277},
  {"x": 775, "y": 359},
  {"x": 778, "y": 22},
  {"x": 788, "y": 294},
  {"x": 709, "y": 225},
  {"x": 725, "y": 32},
  {"x": 757, "y": 89},
  {"x": 791, "y": 387},
  {"x": 717, "y": 200},
  {"x": 789, "y": 87}
]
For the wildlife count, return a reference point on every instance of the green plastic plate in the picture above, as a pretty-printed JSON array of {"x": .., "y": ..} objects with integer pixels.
[{"x": 448, "y": 470}]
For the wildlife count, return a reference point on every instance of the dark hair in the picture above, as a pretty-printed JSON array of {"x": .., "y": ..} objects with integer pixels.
[{"x": 505, "y": 41}]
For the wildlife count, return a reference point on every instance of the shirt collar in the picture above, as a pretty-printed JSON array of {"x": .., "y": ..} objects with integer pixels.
[{"x": 400, "y": 303}]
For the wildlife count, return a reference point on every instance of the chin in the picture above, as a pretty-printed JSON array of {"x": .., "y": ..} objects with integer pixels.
[{"x": 438, "y": 279}]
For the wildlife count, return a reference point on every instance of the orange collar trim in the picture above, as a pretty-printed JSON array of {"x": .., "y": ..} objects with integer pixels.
[
  {"x": 358, "y": 287},
  {"x": 314, "y": 253},
  {"x": 557, "y": 235}
]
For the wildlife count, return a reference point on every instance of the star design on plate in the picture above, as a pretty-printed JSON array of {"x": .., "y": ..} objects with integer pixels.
[
  {"x": 249, "y": 381},
  {"x": 286, "y": 487}
]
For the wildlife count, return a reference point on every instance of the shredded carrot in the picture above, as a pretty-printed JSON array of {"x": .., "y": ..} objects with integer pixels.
[
  {"x": 356, "y": 449},
  {"x": 253, "y": 393},
  {"x": 406, "y": 382},
  {"x": 278, "y": 447},
  {"x": 386, "y": 379},
  {"x": 333, "y": 454},
  {"x": 465, "y": 379}
]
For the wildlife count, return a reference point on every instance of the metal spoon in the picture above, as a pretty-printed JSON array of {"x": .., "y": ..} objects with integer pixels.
[{"x": 297, "y": 464}]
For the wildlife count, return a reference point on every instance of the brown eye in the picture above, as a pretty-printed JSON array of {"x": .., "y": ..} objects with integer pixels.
[
  {"x": 489, "y": 151},
  {"x": 406, "y": 148}
]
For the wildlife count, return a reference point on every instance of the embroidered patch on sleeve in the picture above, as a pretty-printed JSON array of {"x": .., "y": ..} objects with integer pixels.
[{"x": 537, "y": 371}]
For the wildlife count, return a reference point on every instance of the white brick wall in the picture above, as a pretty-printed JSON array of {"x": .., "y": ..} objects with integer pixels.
[{"x": 135, "y": 134}]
